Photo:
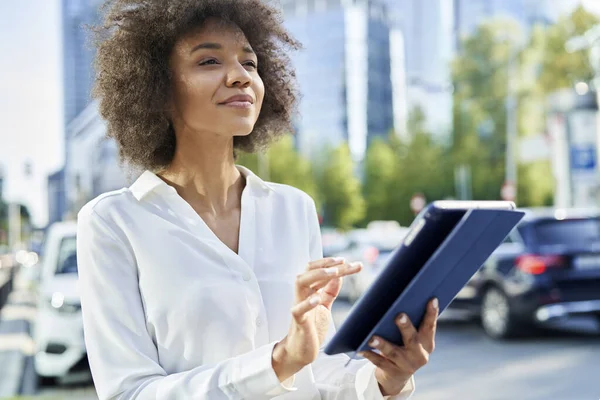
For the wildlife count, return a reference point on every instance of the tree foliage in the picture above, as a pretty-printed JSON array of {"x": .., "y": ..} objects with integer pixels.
[
  {"x": 398, "y": 169},
  {"x": 537, "y": 66},
  {"x": 560, "y": 69},
  {"x": 283, "y": 164},
  {"x": 343, "y": 205}
]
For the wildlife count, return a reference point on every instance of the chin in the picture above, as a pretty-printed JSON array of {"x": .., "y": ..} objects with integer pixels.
[
  {"x": 242, "y": 133},
  {"x": 241, "y": 129}
]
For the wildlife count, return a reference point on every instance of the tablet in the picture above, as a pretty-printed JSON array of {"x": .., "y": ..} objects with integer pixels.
[{"x": 446, "y": 244}]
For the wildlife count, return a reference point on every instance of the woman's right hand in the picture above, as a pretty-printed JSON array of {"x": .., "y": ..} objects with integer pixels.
[{"x": 315, "y": 290}]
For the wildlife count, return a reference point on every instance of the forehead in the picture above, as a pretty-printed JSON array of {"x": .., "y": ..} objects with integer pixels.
[{"x": 216, "y": 31}]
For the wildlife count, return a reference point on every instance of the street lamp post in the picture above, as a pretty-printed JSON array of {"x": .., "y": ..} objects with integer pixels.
[{"x": 511, "y": 126}]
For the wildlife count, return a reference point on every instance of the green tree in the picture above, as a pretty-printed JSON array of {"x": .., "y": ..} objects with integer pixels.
[
  {"x": 481, "y": 74},
  {"x": 285, "y": 165},
  {"x": 547, "y": 66},
  {"x": 3, "y": 219},
  {"x": 560, "y": 69},
  {"x": 481, "y": 80},
  {"x": 24, "y": 215},
  {"x": 379, "y": 177},
  {"x": 422, "y": 166},
  {"x": 248, "y": 160},
  {"x": 340, "y": 190}
]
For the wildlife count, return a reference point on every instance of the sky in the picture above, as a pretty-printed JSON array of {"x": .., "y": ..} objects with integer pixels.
[{"x": 31, "y": 99}]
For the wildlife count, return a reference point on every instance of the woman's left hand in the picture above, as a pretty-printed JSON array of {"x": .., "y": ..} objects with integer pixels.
[{"x": 397, "y": 364}]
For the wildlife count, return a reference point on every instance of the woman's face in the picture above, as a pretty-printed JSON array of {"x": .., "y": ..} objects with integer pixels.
[{"x": 216, "y": 88}]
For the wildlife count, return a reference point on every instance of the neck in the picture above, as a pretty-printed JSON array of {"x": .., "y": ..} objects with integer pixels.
[{"x": 203, "y": 172}]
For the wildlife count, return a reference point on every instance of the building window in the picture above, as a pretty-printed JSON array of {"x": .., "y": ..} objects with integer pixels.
[{"x": 332, "y": 4}]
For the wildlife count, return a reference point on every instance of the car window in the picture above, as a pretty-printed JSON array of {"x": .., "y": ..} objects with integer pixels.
[
  {"x": 569, "y": 231},
  {"x": 67, "y": 256}
]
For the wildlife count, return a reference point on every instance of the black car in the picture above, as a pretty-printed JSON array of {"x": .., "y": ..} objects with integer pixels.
[{"x": 548, "y": 268}]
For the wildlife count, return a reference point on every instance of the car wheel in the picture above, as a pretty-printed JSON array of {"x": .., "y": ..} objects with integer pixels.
[
  {"x": 496, "y": 317},
  {"x": 598, "y": 319},
  {"x": 46, "y": 381}
]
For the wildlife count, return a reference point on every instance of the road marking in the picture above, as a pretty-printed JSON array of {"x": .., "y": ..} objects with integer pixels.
[
  {"x": 20, "y": 342},
  {"x": 22, "y": 296},
  {"x": 16, "y": 312}
]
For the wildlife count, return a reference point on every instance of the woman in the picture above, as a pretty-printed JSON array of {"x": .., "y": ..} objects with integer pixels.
[{"x": 201, "y": 281}]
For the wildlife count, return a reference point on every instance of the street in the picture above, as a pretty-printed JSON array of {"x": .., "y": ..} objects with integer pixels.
[{"x": 561, "y": 364}]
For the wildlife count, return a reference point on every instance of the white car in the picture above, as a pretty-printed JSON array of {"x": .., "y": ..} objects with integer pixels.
[
  {"x": 372, "y": 247},
  {"x": 58, "y": 330}
]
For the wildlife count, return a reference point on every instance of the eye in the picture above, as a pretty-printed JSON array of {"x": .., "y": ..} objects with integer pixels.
[
  {"x": 211, "y": 61},
  {"x": 250, "y": 64}
]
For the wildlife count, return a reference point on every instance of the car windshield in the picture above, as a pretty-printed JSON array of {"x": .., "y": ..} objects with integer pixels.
[
  {"x": 67, "y": 256},
  {"x": 566, "y": 232}
]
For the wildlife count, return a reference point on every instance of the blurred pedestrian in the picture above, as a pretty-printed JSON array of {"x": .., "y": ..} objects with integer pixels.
[{"x": 200, "y": 280}]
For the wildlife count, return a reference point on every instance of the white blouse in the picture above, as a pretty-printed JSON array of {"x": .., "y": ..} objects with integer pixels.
[{"x": 170, "y": 312}]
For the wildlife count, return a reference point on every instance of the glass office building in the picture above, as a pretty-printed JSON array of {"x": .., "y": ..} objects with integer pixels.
[
  {"x": 78, "y": 54},
  {"x": 78, "y": 75},
  {"x": 343, "y": 73},
  {"x": 428, "y": 47}
]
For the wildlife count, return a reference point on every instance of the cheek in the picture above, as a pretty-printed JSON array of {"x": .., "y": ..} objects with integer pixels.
[
  {"x": 194, "y": 94},
  {"x": 259, "y": 90}
]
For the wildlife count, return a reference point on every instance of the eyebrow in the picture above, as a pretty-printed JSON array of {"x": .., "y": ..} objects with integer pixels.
[{"x": 217, "y": 46}]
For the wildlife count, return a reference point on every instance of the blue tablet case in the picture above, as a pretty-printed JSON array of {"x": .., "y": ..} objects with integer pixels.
[{"x": 443, "y": 250}]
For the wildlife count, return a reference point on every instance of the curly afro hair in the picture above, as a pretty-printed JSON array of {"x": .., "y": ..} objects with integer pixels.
[{"x": 134, "y": 44}]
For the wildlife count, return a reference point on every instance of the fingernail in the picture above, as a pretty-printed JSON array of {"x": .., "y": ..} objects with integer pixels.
[
  {"x": 374, "y": 342},
  {"x": 361, "y": 354},
  {"x": 435, "y": 303},
  {"x": 315, "y": 300},
  {"x": 403, "y": 319},
  {"x": 357, "y": 265},
  {"x": 331, "y": 271},
  {"x": 338, "y": 259}
]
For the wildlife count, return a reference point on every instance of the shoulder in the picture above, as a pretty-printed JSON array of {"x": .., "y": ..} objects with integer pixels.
[
  {"x": 291, "y": 195},
  {"x": 107, "y": 206}
]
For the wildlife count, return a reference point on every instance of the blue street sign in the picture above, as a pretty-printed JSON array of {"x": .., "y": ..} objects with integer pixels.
[{"x": 583, "y": 158}]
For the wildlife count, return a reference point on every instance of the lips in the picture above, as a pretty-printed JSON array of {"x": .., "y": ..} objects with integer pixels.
[{"x": 239, "y": 99}]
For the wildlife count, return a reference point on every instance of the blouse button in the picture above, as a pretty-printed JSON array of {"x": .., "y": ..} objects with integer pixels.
[
  {"x": 258, "y": 321},
  {"x": 247, "y": 277}
]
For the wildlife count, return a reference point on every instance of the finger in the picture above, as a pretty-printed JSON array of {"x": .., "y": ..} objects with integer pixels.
[
  {"x": 414, "y": 352},
  {"x": 332, "y": 288},
  {"x": 300, "y": 310},
  {"x": 378, "y": 360},
  {"x": 409, "y": 333},
  {"x": 429, "y": 325},
  {"x": 330, "y": 292},
  {"x": 318, "y": 278},
  {"x": 347, "y": 269},
  {"x": 389, "y": 350},
  {"x": 325, "y": 262}
]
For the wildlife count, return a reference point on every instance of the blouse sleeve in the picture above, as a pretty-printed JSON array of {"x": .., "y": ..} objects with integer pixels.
[
  {"x": 334, "y": 379},
  {"x": 123, "y": 357}
]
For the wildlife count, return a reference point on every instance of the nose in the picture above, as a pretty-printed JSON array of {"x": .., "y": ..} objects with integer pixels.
[{"x": 238, "y": 76}]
